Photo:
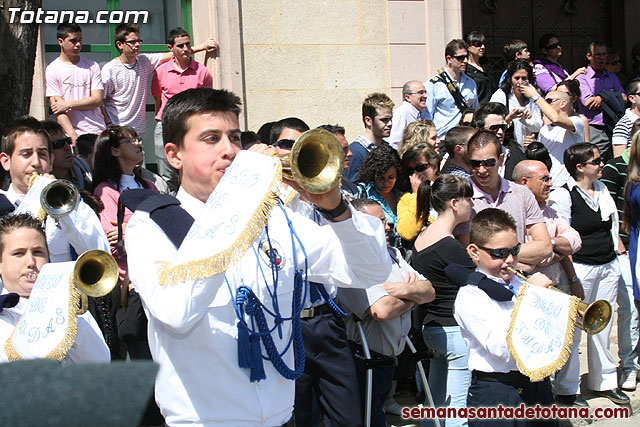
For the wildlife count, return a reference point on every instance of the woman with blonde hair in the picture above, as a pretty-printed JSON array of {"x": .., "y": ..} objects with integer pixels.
[{"x": 419, "y": 131}]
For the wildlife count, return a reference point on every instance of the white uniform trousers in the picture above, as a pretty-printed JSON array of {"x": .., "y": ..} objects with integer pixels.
[{"x": 599, "y": 282}]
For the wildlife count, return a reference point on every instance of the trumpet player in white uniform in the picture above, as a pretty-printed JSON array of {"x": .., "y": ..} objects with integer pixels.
[
  {"x": 26, "y": 148},
  {"x": 23, "y": 252}
]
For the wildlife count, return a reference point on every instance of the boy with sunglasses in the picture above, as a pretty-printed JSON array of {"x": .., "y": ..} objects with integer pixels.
[
  {"x": 484, "y": 316},
  {"x": 74, "y": 87},
  {"x": 65, "y": 165}
]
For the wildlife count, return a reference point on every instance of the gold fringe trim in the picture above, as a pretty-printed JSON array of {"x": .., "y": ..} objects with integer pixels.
[
  {"x": 544, "y": 371},
  {"x": 210, "y": 266},
  {"x": 41, "y": 213},
  {"x": 292, "y": 195},
  {"x": 61, "y": 350}
]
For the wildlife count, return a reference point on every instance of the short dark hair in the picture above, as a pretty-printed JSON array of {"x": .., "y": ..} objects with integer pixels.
[
  {"x": 487, "y": 109},
  {"x": 512, "y": 48},
  {"x": 248, "y": 139},
  {"x": 86, "y": 144},
  {"x": 333, "y": 129},
  {"x": 265, "y": 132},
  {"x": 10, "y": 223},
  {"x": 481, "y": 139},
  {"x": 573, "y": 85},
  {"x": 174, "y": 33},
  {"x": 543, "y": 42},
  {"x": 577, "y": 154},
  {"x": 374, "y": 101},
  {"x": 593, "y": 45},
  {"x": 538, "y": 151},
  {"x": 51, "y": 127},
  {"x": 517, "y": 65},
  {"x": 120, "y": 34},
  {"x": 190, "y": 102},
  {"x": 67, "y": 28},
  {"x": 288, "y": 123},
  {"x": 458, "y": 135},
  {"x": 474, "y": 36},
  {"x": 453, "y": 46},
  {"x": 361, "y": 203},
  {"x": 25, "y": 124},
  {"x": 633, "y": 86},
  {"x": 488, "y": 222}
]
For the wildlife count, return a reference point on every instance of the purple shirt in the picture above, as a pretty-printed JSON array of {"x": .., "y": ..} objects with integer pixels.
[
  {"x": 514, "y": 198},
  {"x": 591, "y": 84}
]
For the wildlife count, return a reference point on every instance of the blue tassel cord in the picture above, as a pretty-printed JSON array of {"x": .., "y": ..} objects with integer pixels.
[{"x": 246, "y": 302}]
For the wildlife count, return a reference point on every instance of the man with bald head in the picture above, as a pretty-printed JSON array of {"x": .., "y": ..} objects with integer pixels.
[
  {"x": 562, "y": 129},
  {"x": 565, "y": 241},
  {"x": 414, "y": 97}
]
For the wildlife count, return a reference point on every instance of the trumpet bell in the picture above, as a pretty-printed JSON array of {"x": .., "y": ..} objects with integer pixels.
[
  {"x": 59, "y": 198},
  {"x": 95, "y": 273},
  {"x": 316, "y": 161},
  {"x": 594, "y": 317}
]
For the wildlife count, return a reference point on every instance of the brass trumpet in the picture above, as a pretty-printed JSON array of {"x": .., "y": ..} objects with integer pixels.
[
  {"x": 316, "y": 161},
  {"x": 95, "y": 274},
  {"x": 59, "y": 198},
  {"x": 592, "y": 318}
]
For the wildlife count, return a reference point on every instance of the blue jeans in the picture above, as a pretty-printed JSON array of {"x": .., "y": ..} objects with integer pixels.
[
  {"x": 628, "y": 319},
  {"x": 449, "y": 375}
]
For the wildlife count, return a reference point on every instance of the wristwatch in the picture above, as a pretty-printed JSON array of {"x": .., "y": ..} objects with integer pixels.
[
  {"x": 575, "y": 279},
  {"x": 535, "y": 97},
  {"x": 553, "y": 242}
]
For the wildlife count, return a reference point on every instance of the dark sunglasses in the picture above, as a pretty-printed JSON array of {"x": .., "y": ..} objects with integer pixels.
[
  {"x": 59, "y": 143},
  {"x": 285, "y": 144},
  {"x": 478, "y": 43},
  {"x": 554, "y": 45},
  {"x": 496, "y": 128},
  {"x": 502, "y": 252},
  {"x": 487, "y": 163},
  {"x": 594, "y": 162},
  {"x": 461, "y": 58},
  {"x": 418, "y": 168},
  {"x": 544, "y": 179}
]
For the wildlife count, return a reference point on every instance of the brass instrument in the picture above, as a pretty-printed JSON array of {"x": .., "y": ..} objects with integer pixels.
[
  {"x": 59, "y": 198},
  {"x": 316, "y": 161},
  {"x": 592, "y": 318},
  {"x": 95, "y": 274}
]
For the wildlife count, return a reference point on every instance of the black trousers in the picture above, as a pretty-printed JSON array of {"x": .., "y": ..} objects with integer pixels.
[
  {"x": 511, "y": 392},
  {"x": 382, "y": 379},
  {"x": 329, "y": 372}
]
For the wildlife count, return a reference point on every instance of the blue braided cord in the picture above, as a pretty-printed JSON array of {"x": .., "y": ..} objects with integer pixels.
[
  {"x": 247, "y": 301},
  {"x": 295, "y": 262},
  {"x": 337, "y": 310},
  {"x": 274, "y": 277}
]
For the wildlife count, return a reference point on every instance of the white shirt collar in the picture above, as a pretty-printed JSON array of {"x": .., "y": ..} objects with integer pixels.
[
  {"x": 13, "y": 196},
  {"x": 189, "y": 203}
]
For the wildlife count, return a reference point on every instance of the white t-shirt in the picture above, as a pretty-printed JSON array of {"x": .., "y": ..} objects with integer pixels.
[
  {"x": 557, "y": 139},
  {"x": 74, "y": 82},
  {"x": 125, "y": 89}
]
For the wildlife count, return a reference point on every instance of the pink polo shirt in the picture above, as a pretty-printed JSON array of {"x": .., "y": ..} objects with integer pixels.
[{"x": 168, "y": 81}]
